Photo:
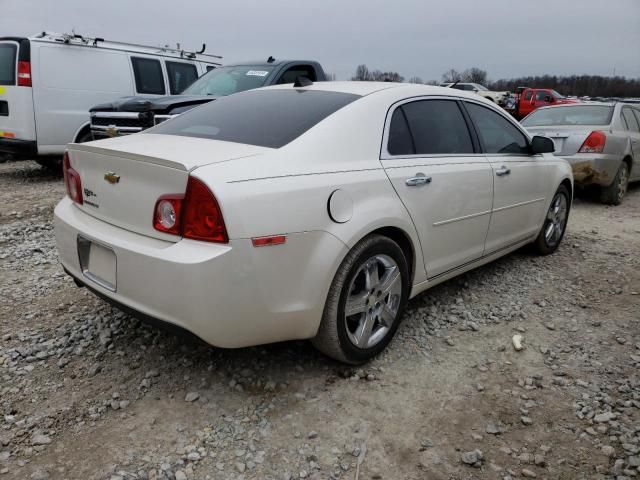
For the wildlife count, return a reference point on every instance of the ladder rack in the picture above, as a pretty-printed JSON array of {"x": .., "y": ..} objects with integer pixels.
[{"x": 93, "y": 41}]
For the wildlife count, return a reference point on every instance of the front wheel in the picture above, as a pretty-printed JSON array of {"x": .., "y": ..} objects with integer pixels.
[
  {"x": 365, "y": 302},
  {"x": 555, "y": 223}
]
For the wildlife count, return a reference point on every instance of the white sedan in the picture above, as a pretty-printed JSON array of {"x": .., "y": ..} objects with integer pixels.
[{"x": 311, "y": 211}]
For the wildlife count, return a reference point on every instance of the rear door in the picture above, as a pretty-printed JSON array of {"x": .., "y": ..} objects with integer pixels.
[
  {"x": 520, "y": 179},
  {"x": 445, "y": 183},
  {"x": 16, "y": 99}
]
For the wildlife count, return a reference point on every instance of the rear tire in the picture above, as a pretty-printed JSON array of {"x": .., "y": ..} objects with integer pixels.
[
  {"x": 374, "y": 278},
  {"x": 614, "y": 193},
  {"x": 555, "y": 223},
  {"x": 55, "y": 163}
]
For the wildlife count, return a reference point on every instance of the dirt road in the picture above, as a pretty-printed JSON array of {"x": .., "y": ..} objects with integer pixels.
[{"x": 87, "y": 392}]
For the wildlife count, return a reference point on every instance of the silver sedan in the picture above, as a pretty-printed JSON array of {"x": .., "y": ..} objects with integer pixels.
[{"x": 601, "y": 141}]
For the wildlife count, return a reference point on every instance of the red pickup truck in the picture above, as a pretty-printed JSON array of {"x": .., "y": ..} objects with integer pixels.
[{"x": 529, "y": 99}]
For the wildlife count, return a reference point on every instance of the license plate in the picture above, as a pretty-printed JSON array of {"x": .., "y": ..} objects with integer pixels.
[{"x": 98, "y": 263}]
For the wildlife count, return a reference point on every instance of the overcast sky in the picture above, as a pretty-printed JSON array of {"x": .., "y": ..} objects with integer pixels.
[{"x": 508, "y": 38}]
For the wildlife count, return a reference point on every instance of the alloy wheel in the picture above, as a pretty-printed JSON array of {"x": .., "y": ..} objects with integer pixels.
[
  {"x": 556, "y": 220},
  {"x": 373, "y": 302},
  {"x": 623, "y": 182}
]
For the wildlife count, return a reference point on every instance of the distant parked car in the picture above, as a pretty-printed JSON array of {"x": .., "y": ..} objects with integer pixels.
[
  {"x": 49, "y": 81},
  {"x": 529, "y": 99},
  {"x": 311, "y": 211},
  {"x": 600, "y": 141},
  {"x": 133, "y": 114},
  {"x": 495, "y": 97}
]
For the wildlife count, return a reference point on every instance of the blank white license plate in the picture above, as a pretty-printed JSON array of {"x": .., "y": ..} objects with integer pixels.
[{"x": 98, "y": 263}]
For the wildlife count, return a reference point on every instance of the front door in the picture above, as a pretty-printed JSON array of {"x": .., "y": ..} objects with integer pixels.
[
  {"x": 520, "y": 183},
  {"x": 442, "y": 179}
]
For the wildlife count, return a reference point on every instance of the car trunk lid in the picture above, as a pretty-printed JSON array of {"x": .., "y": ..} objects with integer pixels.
[
  {"x": 122, "y": 178},
  {"x": 566, "y": 139}
]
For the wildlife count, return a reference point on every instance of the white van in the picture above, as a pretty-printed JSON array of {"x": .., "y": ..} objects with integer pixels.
[{"x": 48, "y": 82}]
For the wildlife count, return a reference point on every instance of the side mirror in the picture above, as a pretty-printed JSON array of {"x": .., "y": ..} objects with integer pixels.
[
  {"x": 475, "y": 90},
  {"x": 542, "y": 145},
  {"x": 548, "y": 99}
]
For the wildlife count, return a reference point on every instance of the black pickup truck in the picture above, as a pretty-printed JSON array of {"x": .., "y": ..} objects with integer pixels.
[{"x": 134, "y": 114}]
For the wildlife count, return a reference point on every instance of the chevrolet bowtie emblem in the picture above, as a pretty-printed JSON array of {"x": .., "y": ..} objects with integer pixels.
[
  {"x": 111, "y": 131},
  {"x": 112, "y": 178}
]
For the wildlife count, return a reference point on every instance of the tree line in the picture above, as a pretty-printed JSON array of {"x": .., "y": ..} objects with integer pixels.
[{"x": 578, "y": 85}]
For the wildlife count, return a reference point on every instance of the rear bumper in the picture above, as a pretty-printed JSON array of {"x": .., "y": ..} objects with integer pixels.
[
  {"x": 594, "y": 168},
  {"x": 19, "y": 148},
  {"x": 230, "y": 296}
]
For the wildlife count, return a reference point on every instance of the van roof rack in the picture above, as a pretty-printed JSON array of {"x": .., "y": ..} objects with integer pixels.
[{"x": 93, "y": 41}]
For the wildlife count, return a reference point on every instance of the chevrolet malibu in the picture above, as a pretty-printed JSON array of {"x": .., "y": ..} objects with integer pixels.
[{"x": 306, "y": 211}]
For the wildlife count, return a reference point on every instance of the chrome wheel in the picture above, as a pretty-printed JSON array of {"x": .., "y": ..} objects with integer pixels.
[
  {"x": 373, "y": 302},
  {"x": 623, "y": 182},
  {"x": 556, "y": 220}
]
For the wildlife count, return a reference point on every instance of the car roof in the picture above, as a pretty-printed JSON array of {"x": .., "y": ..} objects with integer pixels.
[{"x": 366, "y": 88}]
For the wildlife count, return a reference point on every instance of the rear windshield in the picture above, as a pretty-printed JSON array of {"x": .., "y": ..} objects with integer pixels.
[
  {"x": 8, "y": 63},
  {"x": 570, "y": 115},
  {"x": 267, "y": 118},
  {"x": 227, "y": 80}
]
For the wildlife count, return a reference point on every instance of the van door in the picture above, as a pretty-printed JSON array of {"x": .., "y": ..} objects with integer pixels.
[{"x": 17, "y": 124}]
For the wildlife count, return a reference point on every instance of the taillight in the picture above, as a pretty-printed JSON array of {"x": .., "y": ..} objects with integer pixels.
[
  {"x": 195, "y": 215},
  {"x": 71, "y": 180},
  {"x": 168, "y": 216},
  {"x": 594, "y": 143},
  {"x": 24, "y": 74}
]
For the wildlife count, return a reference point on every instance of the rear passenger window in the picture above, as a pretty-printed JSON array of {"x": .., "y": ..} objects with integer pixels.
[
  {"x": 632, "y": 123},
  {"x": 148, "y": 75},
  {"x": 498, "y": 135},
  {"x": 435, "y": 126},
  {"x": 181, "y": 75},
  {"x": 400, "y": 141}
]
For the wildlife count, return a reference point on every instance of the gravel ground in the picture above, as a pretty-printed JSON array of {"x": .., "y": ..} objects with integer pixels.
[{"x": 87, "y": 392}]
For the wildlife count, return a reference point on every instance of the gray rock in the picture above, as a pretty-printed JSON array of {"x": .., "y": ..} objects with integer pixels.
[
  {"x": 473, "y": 458},
  {"x": 192, "y": 397},
  {"x": 526, "y": 420},
  {"x": 40, "y": 440},
  {"x": 180, "y": 475},
  {"x": 604, "y": 417}
]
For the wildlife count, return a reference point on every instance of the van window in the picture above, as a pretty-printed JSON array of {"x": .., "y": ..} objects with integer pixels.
[
  {"x": 8, "y": 63},
  {"x": 181, "y": 75},
  {"x": 148, "y": 75},
  {"x": 632, "y": 123}
]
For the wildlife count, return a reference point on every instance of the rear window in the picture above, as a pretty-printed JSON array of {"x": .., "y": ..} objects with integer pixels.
[
  {"x": 573, "y": 115},
  {"x": 8, "y": 63},
  {"x": 267, "y": 118},
  {"x": 148, "y": 75},
  {"x": 181, "y": 75}
]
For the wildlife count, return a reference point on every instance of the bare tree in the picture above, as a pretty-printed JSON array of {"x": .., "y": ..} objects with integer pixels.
[
  {"x": 331, "y": 77},
  {"x": 451, "y": 75},
  {"x": 415, "y": 80},
  {"x": 362, "y": 73},
  {"x": 474, "y": 75}
]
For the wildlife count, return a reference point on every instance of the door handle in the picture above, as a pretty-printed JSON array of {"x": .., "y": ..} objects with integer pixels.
[
  {"x": 419, "y": 179},
  {"x": 503, "y": 171}
]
